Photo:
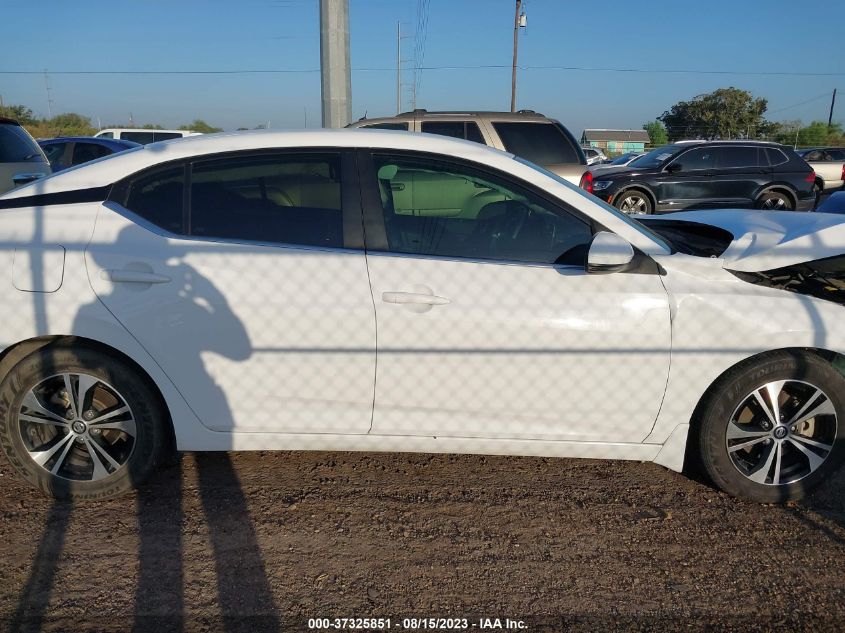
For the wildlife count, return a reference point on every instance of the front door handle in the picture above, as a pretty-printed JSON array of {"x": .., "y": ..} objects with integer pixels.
[
  {"x": 414, "y": 297},
  {"x": 133, "y": 276},
  {"x": 23, "y": 179}
]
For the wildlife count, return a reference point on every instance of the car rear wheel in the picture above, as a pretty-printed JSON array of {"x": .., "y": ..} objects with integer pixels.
[
  {"x": 80, "y": 424},
  {"x": 633, "y": 201},
  {"x": 775, "y": 201},
  {"x": 774, "y": 428}
]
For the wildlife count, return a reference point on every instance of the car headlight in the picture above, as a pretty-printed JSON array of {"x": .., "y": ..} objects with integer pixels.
[{"x": 600, "y": 185}]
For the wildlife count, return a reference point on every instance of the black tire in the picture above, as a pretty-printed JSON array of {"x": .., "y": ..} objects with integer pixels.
[
  {"x": 633, "y": 201},
  {"x": 732, "y": 391},
  {"x": 775, "y": 201},
  {"x": 141, "y": 453}
]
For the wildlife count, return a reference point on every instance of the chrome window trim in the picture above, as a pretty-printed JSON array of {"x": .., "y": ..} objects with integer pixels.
[{"x": 475, "y": 260}]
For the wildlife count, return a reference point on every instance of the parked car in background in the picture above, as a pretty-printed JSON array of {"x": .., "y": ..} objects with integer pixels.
[
  {"x": 829, "y": 165},
  {"x": 619, "y": 161},
  {"x": 21, "y": 160},
  {"x": 68, "y": 151},
  {"x": 708, "y": 174},
  {"x": 595, "y": 156},
  {"x": 142, "y": 135},
  {"x": 236, "y": 293},
  {"x": 626, "y": 159},
  {"x": 834, "y": 203},
  {"x": 526, "y": 133}
]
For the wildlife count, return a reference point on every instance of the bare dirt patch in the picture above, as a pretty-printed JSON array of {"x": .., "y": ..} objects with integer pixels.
[{"x": 264, "y": 541}]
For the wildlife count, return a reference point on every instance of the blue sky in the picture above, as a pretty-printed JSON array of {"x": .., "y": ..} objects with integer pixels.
[{"x": 213, "y": 35}]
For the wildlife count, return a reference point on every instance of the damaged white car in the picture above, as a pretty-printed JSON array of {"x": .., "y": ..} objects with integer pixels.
[{"x": 388, "y": 291}]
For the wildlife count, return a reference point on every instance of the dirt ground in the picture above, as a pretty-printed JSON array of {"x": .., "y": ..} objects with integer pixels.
[{"x": 265, "y": 541}]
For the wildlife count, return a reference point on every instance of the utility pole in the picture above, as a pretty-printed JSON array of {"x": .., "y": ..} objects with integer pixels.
[
  {"x": 336, "y": 80},
  {"x": 398, "y": 67},
  {"x": 49, "y": 94},
  {"x": 830, "y": 116},
  {"x": 518, "y": 22}
]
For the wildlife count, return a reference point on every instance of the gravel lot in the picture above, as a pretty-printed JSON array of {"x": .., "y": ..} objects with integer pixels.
[{"x": 263, "y": 541}]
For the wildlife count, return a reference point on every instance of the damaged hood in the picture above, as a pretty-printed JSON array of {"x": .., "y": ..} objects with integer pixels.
[{"x": 766, "y": 240}]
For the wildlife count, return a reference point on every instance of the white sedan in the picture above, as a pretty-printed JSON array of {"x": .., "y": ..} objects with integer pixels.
[{"x": 388, "y": 291}]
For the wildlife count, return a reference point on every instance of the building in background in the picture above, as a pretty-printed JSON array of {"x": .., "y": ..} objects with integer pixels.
[{"x": 616, "y": 141}]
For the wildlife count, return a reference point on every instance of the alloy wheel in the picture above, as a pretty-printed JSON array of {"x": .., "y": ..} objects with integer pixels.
[
  {"x": 782, "y": 432},
  {"x": 633, "y": 203},
  {"x": 77, "y": 426},
  {"x": 775, "y": 203}
]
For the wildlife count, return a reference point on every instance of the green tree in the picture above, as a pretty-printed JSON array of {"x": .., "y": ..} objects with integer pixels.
[
  {"x": 657, "y": 133},
  {"x": 198, "y": 125},
  {"x": 19, "y": 113},
  {"x": 818, "y": 133},
  {"x": 722, "y": 114},
  {"x": 68, "y": 124},
  {"x": 151, "y": 126}
]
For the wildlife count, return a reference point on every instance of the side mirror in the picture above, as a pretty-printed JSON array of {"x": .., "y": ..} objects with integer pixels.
[
  {"x": 674, "y": 167},
  {"x": 608, "y": 253},
  {"x": 23, "y": 179}
]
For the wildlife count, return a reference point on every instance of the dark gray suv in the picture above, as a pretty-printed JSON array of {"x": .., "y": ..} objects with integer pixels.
[{"x": 708, "y": 174}]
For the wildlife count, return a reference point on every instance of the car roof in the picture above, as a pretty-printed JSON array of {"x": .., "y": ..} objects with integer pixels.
[
  {"x": 91, "y": 139},
  {"x": 727, "y": 142},
  {"x": 520, "y": 115},
  {"x": 106, "y": 171},
  {"x": 8, "y": 121},
  {"x": 102, "y": 173}
]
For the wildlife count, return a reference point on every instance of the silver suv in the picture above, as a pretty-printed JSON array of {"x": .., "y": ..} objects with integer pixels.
[
  {"x": 21, "y": 160},
  {"x": 526, "y": 133}
]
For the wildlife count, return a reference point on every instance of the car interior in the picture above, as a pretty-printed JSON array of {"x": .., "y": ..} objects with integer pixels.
[{"x": 434, "y": 212}]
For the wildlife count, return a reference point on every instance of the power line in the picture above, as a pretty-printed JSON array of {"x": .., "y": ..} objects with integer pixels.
[
  {"x": 446, "y": 67},
  {"x": 795, "y": 105}
]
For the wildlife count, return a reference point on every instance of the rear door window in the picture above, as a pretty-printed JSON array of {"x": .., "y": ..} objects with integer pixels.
[
  {"x": 84, "y": 152},
  {"x": 17, "y": 146},
  {"x": 387, "y": 126},
  {"x": 164, "y": 136},
  {"x": 467, "y": 130},
  {"x": 284, "y": 198},
  {"x": 139, "y": 137},
  {"x": 541, "y": 143},
  {"x": 739, "y": 157},
  {"x": 55, "y": 155}
]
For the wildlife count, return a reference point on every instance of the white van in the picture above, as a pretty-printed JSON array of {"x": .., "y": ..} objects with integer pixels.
[{"x": 141, "y": 135}]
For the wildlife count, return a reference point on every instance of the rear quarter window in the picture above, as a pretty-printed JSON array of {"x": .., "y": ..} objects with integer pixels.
[
  {"x": 17, "y": 146},
  {"x": 541, "y": 143},
  {"x": 776, "y": 157}
]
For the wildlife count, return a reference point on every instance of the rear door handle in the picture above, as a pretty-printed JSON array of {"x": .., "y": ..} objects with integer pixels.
[
  {"x": 133, "y": 276},
  {"x": 414, "y": 297}
]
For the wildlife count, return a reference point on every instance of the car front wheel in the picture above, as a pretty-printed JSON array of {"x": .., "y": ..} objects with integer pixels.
[
  {"x": 773, "y": 428},
  {"x": 633, "y": 202},
  {"x": 81, "y": 424}
]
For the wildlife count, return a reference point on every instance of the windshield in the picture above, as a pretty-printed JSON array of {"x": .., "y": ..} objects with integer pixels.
[
  {"x": 655, "y": 157},
  {"x": 616, "y": 212}
]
